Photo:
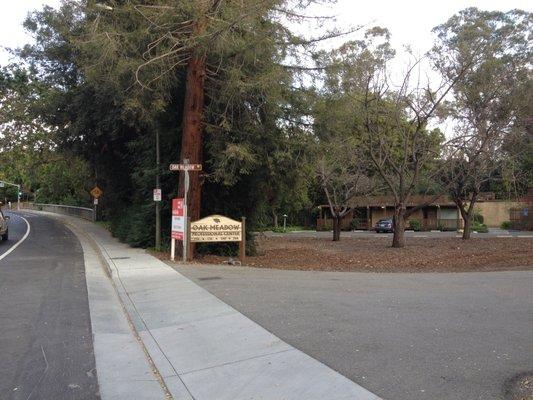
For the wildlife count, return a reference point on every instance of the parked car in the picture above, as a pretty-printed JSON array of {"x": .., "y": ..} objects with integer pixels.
[
  {"x": 4, "y": 226},
  {"x": 384, "y": 225}
]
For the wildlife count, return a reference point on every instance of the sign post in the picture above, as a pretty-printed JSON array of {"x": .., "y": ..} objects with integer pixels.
[
  {"x": 186, "y": 167},
  {"x": 96, "y": 192}
]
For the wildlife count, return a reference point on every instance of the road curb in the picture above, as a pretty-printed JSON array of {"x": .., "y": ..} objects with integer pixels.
[
  {"x": 206, "y": 349},
  {"x": 104, "y": 262}
]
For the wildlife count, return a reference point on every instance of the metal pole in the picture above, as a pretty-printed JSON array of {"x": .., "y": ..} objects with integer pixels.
[
  {"x": 185, "y": 213},
  {"x": 157, "y": 203},
  {"x": 242, "y": 244}
]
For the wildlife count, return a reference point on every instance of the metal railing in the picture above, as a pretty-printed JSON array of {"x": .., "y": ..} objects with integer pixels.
[{"x": 80, "y": 212}]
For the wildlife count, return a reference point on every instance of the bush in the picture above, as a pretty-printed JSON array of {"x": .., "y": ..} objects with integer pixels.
[
  {"x": 479, "y": 228},
  {"x": 506, "y": 225},
  {"x": 414, "y": 224},
  {"x": 478, "y": 218}
]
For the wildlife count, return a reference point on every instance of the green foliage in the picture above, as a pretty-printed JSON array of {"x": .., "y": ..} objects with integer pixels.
[
  {"x": 478, "y": 218},
  {"x": 506, "y": 225},
  {"x": 479, "y": 227},
  {"x": 415, "y": 224},
  {"x": 134, "y": 225}
]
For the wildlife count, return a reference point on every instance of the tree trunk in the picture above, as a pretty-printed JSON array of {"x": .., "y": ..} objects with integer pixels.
[
  {"x": 467, "y": 231},
  {"x": 192, "y": 132},
  {"x": 192, "y": 137},
  {"x": 398, "y": 221},
  {"x": 467, "y": 215},
  {"x": 336, "y": 228},
  {"x": 275, "y": 218}
]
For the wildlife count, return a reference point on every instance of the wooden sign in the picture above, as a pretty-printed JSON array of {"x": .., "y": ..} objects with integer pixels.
[{"x": 216, "y": 228}]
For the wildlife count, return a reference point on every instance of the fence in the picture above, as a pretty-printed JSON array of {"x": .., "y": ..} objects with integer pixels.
[
  {"x": 80, "y": 212},
  {"x": 521, "y": 218}
]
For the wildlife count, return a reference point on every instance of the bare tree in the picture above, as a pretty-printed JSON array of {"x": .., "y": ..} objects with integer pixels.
[
  {"x": 343, "y": 172},
  {"x": 397, "y": 137}
]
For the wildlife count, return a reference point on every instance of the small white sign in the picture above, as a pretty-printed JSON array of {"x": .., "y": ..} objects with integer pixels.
[
  {"x": 2, "y": 184},
  {"x": 157, "y": 195},
  {"x": 185, "y": 167},
  {"x": 95, "y": 202}
]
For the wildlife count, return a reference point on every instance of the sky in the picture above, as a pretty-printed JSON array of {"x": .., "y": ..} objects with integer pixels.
[{"x": 410, "y": 21}]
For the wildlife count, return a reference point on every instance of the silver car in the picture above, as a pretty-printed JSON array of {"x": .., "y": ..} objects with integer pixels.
[{"x": 4, "y": 226}]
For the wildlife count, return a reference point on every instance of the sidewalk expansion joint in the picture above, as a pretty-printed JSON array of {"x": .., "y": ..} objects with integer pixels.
[{"x": 237, "y": 361}]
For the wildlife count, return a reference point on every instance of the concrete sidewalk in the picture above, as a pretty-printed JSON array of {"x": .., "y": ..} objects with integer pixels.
[{"x": 202, "y": 348}]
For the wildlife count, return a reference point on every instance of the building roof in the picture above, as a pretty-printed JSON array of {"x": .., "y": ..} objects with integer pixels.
[{"x": 388, "y": 201}]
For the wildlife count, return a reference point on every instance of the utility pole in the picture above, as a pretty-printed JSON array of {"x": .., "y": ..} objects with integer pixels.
[{"x": 157, "y": 186}]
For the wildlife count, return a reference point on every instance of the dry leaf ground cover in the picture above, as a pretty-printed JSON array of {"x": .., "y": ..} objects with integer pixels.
[{"x": 376, "y": 255}]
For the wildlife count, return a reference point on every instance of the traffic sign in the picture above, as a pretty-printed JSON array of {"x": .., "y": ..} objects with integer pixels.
[
  {"x": 157, "y": 194},
  {"x": 185, "y": 167},
  {"x": 96, "y": 192},
  {"x": 2, "y": 184}
]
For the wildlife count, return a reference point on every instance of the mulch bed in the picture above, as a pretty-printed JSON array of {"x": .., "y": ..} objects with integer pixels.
[{"x": 376, "y": 255}]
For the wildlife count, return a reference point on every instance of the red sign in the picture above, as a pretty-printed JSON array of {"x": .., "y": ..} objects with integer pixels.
[{"x": 178, "y": 219}]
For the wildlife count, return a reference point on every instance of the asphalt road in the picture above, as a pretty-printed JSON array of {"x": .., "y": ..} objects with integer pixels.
[
  {"x": 460, "y": 336},
  {"x": 45, "y": 329}
]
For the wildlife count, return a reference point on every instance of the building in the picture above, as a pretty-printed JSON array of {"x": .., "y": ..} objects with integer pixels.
[{"x": 366, "y": 211}]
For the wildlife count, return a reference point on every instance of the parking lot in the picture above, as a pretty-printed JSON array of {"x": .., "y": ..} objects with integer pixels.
[{"x": 446, "y": 336}]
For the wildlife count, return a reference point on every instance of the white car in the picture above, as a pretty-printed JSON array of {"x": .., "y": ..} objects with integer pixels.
[{"x": 4, "y": 226}]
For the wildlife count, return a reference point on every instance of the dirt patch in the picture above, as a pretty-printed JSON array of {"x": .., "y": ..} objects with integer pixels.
[
  {"x": 519, "y": 387},
  {"x": 376, "y": 255}
]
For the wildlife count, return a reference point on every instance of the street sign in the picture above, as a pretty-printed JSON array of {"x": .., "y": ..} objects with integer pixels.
[
  {"x": 95, "y": 201},
  {"x": 216, "y": 228},
  {"x": 96, "y": 192},
  {"x": 185, "y": 167},
  {"x": 2, "y": 184},
  {"x": 178, "y": 219},
  {"x": 157, "y": 194}
]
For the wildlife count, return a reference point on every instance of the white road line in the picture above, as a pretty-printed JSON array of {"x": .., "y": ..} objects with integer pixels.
[{"x": 20, "y": 240}]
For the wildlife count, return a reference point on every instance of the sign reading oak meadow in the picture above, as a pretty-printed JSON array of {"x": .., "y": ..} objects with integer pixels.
[{"x": 216, "y": 228}]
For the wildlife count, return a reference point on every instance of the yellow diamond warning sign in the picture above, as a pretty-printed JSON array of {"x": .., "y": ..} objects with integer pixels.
[{"x": 96, "y": 192}]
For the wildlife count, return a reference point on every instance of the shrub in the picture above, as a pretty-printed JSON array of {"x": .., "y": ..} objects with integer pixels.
[
  {"x": 414, "y": 224},
  {"x": 478, "y": 218},
  {"x": 479, "y": 228},
  {"x": 506, "y": 225}
]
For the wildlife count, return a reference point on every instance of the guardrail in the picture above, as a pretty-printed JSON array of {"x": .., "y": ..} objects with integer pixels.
[{"x": 80, "y": 212}]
